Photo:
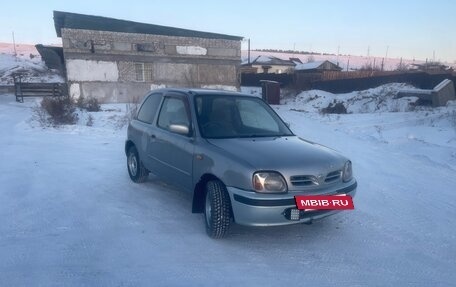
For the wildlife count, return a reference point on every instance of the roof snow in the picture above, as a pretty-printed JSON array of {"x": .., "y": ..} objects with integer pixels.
[{"x": 309, "y": 66}]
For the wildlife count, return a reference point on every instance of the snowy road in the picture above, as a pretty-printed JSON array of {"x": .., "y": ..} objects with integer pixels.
[{"x": 69, "y": 215}]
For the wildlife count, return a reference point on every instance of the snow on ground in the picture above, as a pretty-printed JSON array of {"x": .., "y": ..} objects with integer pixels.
[
  {"x": 254, "y": 91},
  {"x": 375, "y": 100},
  {"x": 70, "y": 216},
  {"x": 34, "y": 70},
  {"x": 379, "y": 99},
  {"x": 28, "y": 62}
]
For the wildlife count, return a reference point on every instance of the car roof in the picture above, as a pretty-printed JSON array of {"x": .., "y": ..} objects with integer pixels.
[{"x": 194, "y": 91}]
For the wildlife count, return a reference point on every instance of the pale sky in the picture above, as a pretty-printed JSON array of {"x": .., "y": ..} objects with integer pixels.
[{"x": 409, "y": 29}]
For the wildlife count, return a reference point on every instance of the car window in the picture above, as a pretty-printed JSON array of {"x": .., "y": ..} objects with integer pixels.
[
  {"x": 173, "y": 112},
  {"x": 226, "y": 116},
  {"x": 253, "y": 117},
  {"x": 149, "y": 108}
]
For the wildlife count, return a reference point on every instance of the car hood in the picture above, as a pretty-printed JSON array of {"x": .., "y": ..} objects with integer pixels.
[{"x": 289, "y": 155}]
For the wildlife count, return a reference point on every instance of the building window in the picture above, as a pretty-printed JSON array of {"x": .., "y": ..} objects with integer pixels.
[
  {"x": 143, "y": 72},
  {"x": 146, "y": 47},
  {"x": 139, "y": 71}
]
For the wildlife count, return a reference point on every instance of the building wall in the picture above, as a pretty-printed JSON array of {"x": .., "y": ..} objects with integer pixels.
[
  {"x": 275, "y": 69},
  {"x": 117, "y": 67}
]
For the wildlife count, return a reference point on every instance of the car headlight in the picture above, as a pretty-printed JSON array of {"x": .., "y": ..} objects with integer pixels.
[
  {"x": 269, "y": 182},
  {"x": 347, "y": 172}
]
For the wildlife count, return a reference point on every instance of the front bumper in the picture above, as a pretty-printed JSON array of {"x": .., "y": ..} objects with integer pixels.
[{"x": 255, "y": 209}]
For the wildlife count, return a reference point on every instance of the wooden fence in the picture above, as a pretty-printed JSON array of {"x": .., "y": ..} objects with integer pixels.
[{"x": 22, "y": 90}]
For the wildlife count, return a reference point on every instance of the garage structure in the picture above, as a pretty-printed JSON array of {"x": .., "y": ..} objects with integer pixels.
[{"x": 118, "y": 61}]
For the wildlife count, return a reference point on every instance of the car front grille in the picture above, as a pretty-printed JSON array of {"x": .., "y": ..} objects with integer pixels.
[
  {"x": 303, "y": 180},
  {"x": 311, "y": 180},
  {"x": 333, "y": 176}
]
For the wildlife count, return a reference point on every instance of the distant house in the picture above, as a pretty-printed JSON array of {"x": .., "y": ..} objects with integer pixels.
[
  {"x": 117, "y": 60},
  {"x": 318, "y": 66},
  {"x": 296, "y": 60},
  {"x": 431, "y": 66},
  {"x": 268, "y": 65}
]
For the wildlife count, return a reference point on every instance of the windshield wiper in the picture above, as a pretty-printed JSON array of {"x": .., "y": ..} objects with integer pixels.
[{"x": 260, "y": 136}]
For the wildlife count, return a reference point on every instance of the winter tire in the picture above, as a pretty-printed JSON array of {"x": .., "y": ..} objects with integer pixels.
[
  {"x": 138, "y": 173},
  {"x": 217, "y": 211}
]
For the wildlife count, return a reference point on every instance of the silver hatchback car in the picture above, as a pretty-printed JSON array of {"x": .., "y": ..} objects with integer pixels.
[{"x": 235, "y": 155}]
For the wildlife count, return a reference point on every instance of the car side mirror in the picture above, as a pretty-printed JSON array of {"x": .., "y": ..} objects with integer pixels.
[{"x": 180, "y": 129}]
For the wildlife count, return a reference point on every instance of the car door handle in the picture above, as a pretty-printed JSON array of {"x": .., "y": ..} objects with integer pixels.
[{"x": 153, "y": 136}]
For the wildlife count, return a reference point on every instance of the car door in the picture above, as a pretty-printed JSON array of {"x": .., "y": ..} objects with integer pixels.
[
  {"x": 171, "y": 151},
  {"x": 142, "y": 126}
]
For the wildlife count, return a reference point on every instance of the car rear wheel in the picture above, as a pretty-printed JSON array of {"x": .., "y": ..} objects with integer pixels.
[
  {"x": 217, "y": 211},
  {"x": 138, "y": 173}
]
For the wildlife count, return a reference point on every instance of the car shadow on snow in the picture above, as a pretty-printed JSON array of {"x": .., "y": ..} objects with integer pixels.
[
  {"x": 326, "y": 227},
  {"x": 173, "y": 206}
]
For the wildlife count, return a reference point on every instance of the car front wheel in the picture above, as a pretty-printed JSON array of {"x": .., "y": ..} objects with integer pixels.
[
  {"x": 138, "y": 173},
  {"x": 217, "y": 211}
]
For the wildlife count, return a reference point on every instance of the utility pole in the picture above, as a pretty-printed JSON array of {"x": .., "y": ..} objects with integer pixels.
[
  {"x": 14, "y": 45},
  {"x": 248, "y": 53},
  {"x": 386, "y": 57},
  {"x": 338, "y": 49}
]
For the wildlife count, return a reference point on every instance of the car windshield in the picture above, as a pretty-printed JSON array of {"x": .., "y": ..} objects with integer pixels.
[{"x": 226, "y": 116}]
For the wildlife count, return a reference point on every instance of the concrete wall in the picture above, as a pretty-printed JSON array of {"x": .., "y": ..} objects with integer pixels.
[
  {"x": 439, "y": 96},
  {"x": 443, "y": 93},
  {"x": 90, "y": 71},
  {"x": 102, "y": 64}
]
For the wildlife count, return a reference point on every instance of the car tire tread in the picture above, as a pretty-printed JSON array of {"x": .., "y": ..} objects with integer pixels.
[
  {"x": 142, "y": 173},
  {"x": 220, "y": 210}
]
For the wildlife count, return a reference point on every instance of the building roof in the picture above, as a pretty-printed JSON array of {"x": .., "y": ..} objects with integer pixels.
[
  {"x": 52, "y": 56},
  {"x": 431, "y": 66},
  {"x": 316, "y": 65},
  {"x": 309, "y": 65},
  {"x": 270, "y": 61},
  {"x": 296, "y": 60},
  {"x": 98, "y": 23}
]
